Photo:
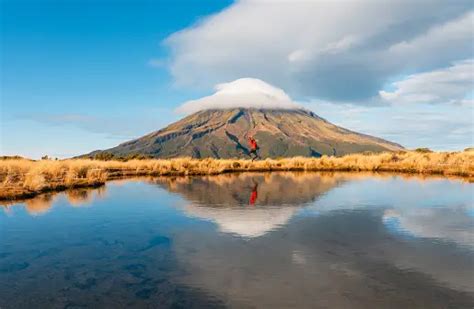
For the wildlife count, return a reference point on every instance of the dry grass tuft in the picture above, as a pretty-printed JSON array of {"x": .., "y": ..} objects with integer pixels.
[{"x": 22, "y": 177}]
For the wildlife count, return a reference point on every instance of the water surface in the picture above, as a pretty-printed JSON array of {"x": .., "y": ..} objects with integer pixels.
[{"x": 279, "y": 240}]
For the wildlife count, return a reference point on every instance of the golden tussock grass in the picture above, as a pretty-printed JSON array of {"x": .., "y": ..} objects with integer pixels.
[{"x": 22, "y": 178}]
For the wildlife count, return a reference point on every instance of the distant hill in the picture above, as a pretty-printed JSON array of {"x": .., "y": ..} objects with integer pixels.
[{"x": 222, "y": 133}]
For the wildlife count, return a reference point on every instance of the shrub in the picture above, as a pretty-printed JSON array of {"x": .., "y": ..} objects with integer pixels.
[{"x": 423, "y": 150}]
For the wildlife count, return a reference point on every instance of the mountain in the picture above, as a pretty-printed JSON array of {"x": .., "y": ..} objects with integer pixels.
[{"x": 222, "y": 133}]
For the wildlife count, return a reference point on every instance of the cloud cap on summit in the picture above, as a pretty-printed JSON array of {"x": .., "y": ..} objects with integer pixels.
[{"x": 242, "y": 93}]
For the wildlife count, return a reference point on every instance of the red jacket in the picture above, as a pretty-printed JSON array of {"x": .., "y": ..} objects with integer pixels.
[
  {"x": 253, "y": 196},
  {"x": 252, "y": 143}
]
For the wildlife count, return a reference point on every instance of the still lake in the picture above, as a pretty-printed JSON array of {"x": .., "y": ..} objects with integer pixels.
[{"x": 276, "y": 240}]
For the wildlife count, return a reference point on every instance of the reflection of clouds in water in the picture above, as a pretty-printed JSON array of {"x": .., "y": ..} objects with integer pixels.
[
  {"x": 246, "y": 222},
  {"x": 434, "y": 208},
  {"x": 397, "y": 193},
  {"x": 451, "y": 224},
  {"x": 337, "y": 260},
  {"x": 391, "y": 220},
  {"x": 298, "y": 257}
]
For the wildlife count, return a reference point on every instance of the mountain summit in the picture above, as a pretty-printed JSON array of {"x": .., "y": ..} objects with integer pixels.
[{"x": 223, "y": 133}]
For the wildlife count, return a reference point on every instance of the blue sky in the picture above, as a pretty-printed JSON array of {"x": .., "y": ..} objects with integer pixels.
[
  {"x": 76, "y": 74},
  {"x": 83, "y": 75}
]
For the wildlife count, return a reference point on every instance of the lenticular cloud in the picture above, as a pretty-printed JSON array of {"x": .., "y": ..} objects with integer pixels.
[{"x": 243, "y": 93}]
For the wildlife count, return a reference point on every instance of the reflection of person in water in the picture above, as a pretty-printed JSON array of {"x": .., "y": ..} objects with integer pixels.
[{"x": 253, "y": 195}]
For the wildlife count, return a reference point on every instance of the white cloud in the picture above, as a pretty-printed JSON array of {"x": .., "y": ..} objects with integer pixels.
[
  {"x": 344, "y": 53},
  {"x": 448, "y": 85},
  {"x": 243, "y": 92},
  {"x": 437, "y": 126},
  {"x": 334, "y": 50},
  {"x": 436, "y": 46}
]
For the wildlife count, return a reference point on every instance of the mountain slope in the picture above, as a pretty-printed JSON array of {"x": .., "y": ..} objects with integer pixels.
[{"x": 222, "y": 133}]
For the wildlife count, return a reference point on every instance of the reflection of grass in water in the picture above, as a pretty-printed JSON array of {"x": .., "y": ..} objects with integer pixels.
[
  {"x": 78, "y": 197},
  {"x": 42, "y": 203},
  {"x": 20, "y": 177}
]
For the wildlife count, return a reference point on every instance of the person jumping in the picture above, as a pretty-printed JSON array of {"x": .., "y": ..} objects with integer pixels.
[{"x": 253, "y": 148}]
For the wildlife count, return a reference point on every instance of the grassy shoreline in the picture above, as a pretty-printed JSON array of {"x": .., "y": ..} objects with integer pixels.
[{"x": 22, "y": 178}]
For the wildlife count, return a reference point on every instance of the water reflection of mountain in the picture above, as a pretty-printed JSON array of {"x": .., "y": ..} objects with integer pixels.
[
  {"x": 284, "y": 188},
  {"x": 250, "y": 204}
]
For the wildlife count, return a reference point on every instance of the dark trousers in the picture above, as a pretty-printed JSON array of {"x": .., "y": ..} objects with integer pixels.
[{"x": 254, "y": 154}]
